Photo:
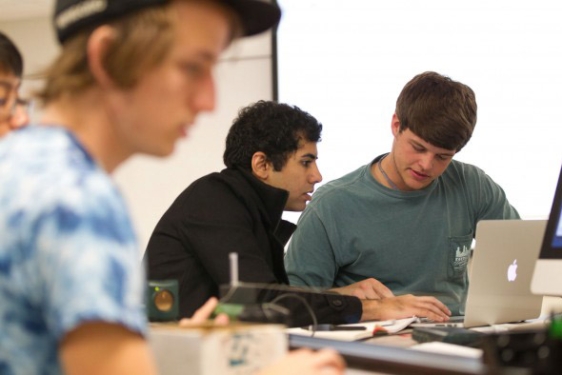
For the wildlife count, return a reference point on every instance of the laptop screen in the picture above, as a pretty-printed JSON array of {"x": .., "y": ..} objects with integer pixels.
[
  {"x": 552, "y": 243},
  {"x": 547, "y": 276}
]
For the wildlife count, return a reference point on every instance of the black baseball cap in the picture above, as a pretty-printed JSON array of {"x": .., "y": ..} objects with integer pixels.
[{"x": 72, "y": 16}]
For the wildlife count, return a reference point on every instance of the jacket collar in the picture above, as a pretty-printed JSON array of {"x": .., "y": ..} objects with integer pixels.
[
  {"x": 272, "y": 202},
  {"x": 273, "y": 199}
]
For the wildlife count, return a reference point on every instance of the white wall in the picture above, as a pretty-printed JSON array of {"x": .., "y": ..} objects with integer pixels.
[
  {"x": 35, "y": 39},
  {"x": 346, "y": 64},
  {"x": 150, "y": 185}
]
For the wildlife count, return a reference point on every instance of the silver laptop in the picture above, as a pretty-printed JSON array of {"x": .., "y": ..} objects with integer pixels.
[{"x": 501, "y": 272}]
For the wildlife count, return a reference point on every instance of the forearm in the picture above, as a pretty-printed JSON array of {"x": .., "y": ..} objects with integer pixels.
[
  {"x": 379, "y": 309},
  {"x": 371, "y": 310},
  {"x": 405, "y": 306},
  {"x": 103, "y": 348}
]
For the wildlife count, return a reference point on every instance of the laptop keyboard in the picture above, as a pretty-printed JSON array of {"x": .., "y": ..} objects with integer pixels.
[{"x": 454, "y": 321}]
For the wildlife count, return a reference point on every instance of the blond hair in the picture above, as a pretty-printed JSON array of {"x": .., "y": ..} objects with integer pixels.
[
  {"x": 127, "y": 57},
  {"x": 142, "y": 41}
]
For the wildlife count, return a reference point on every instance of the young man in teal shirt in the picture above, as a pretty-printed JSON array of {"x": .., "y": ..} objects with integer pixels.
[{"x": 407, "y": 218}]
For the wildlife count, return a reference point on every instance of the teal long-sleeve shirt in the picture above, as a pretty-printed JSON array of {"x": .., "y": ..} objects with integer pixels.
[{"x": 414, "y": 242}]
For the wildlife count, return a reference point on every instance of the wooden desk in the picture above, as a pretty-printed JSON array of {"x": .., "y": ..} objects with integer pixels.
[
  {"x": 392, "y": 360},
  {"x": 391, "y": 354},
  {"x": 372, "y": 357}
]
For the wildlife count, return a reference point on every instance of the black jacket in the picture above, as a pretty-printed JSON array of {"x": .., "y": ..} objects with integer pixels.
[{"x": 232, "y": 211}]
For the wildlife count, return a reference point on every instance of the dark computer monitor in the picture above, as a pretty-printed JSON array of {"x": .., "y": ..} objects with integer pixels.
[{"x": 547, "y": 277}]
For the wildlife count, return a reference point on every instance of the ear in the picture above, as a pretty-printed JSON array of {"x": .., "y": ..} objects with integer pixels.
[
  {"x": 261, "y": 167},
  {"x": 98, "y": 44},
  {"x": 395, "y": 125}
]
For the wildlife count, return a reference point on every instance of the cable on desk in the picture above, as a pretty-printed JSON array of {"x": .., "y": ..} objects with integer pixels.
[{"x": 305, "y": 303}]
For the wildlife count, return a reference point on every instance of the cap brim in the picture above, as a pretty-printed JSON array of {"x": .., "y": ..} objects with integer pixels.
[{"x": 256, "y": 16}]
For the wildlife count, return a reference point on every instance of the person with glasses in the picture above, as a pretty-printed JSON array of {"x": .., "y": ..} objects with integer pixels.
[
  {"x": 131, "y": 78},
  {"x": 13, "y": 113}
]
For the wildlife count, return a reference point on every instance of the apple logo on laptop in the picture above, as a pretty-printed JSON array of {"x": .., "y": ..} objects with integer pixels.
[{"x": 512, "y": 271}]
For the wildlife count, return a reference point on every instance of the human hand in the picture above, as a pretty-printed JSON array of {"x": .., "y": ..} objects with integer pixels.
[
  {"x": 308, "y": 362},
  {"x": 366, "y": 289},
  {"x": 203, "y": 314},
  {"x": 404, "y": 307}
]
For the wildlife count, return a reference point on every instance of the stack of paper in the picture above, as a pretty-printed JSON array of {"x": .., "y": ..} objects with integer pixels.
[{"x": 373, "y": 328}]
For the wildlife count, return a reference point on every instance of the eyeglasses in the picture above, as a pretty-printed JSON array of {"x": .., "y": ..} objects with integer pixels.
[
  {"x": 25, "y": 104},
  {"x": 9, "y": 106}
]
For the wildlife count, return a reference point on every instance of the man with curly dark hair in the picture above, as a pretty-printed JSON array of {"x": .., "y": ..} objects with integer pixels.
[{"x": 271, "y": 167}]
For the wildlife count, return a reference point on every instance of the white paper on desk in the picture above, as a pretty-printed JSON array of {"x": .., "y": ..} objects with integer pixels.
[{"x": 391, "y": 326}]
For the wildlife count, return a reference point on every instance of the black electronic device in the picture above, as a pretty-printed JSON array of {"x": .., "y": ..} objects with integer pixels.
[
  {"x": 266, "y": 303},
  {"x": 162, "y": 300},
  {"x": 271, "y": 303},
  {"x": 250, "y": 293},
  {"x": 534, "y": 350},
  {"x": 265, "y": 313},
  {"x": 547, "y": 277},
  {"x": 254, "y": 313},
  {"x": 451, "y": 335}
]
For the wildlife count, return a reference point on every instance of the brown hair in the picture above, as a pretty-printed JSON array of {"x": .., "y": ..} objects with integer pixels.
[
  {"x": 11, "y": 61},
  {"x": 438, "y": 110}
]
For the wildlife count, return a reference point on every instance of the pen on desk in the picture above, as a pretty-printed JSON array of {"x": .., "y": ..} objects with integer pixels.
[{"x": 333, "y": 327}]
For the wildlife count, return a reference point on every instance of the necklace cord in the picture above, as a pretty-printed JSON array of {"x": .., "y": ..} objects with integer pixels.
[{"x": 388, "y": 180}]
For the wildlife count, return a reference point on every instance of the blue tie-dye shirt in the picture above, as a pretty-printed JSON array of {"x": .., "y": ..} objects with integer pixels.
[{"x": 68, "y": 252}]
